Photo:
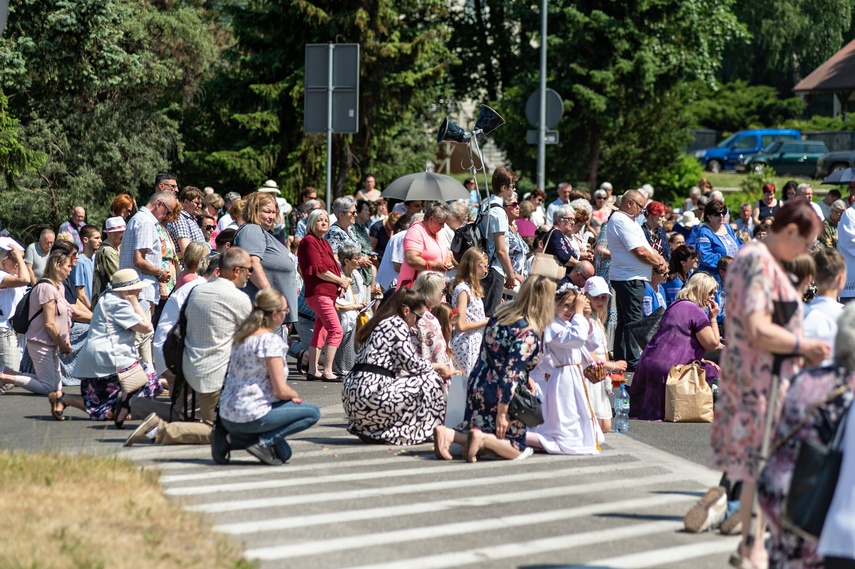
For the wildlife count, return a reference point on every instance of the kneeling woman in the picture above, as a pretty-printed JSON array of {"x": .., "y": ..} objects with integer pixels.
[
  {"x": 509, "y": 352},
  {"x": 392, "y": 395},
  {"x": 570, "y": 425},
  {"x": 685, "y": 334},
  {"x": 256, "y": 398}
]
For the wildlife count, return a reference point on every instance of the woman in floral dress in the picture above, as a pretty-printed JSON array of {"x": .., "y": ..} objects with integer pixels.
[
  {"x": 512, "y": 345},
  {"x": 392, "y": 395},
  {"x": 467, "y": 299},
  {"x": 756, "y": 285}
]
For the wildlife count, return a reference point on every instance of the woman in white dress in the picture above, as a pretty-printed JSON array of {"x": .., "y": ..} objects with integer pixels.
[
  {"x": 598, "y": 298},
  {"x": 570, "y": 426},
  {"x": 467, "y": 299}
]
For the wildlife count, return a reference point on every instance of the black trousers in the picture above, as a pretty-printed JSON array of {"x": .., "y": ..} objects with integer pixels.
[
  {"x": 629, "y": 296},
  {"x": 493, "y": 285}
]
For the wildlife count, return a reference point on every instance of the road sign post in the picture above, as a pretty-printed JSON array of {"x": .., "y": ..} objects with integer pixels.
[{"x": 332, "y": 94}]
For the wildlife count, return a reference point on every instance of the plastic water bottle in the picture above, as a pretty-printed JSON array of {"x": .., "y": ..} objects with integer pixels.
[{"x": 622, "y": 411}]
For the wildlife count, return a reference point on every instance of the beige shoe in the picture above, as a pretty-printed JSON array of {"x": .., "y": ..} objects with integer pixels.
[
  {"x": 732, "y": 525},
  {"x": 140, "y": 433},
  {"x": 708, "y": 512}
]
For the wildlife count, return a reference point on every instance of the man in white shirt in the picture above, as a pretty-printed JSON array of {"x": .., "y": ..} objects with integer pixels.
[
  {"x": 217, "y": 307},
  {"x": 393, "y": 256},
  {"x": 846, "y": 246},
  {"x": 564, "y": 190},
  {"x": 806, "y": 190},
  {"x": 633, "y": 261}
]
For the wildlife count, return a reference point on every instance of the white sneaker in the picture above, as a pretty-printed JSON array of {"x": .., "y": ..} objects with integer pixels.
[{"x": 525, "y": 454}]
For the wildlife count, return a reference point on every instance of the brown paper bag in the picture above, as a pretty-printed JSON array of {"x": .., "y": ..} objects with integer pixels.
[{"x": 688, "y": 397}]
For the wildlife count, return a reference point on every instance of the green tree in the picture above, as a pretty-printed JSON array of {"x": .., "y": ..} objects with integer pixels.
[
  {"x": 622, "y": 68},
  {"x": 737, "y": 105},
  {"x": 789, "y": 39},
  {"x": 98, "y": 86},
  {"x": 251, "y": 126}
]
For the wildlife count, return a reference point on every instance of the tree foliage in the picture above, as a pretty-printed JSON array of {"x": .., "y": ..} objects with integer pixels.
[
  {"x": 97, "y": 86},
  {"x": 621, "y": 68},
  {"x": 788, "y": 39},
  {"x": 737, "y": 105},
  {"x": 252, "y": 128}
]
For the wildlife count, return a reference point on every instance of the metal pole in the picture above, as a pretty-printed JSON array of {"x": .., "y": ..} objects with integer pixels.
[
  {"x": 329, "y": 124},
  {"x": 541, "y": 137}
]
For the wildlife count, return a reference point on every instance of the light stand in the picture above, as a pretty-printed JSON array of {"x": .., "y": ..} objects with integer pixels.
[{"x": 488, "y": 121}]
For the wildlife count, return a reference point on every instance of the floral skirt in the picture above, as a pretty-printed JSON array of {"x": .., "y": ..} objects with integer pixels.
[{"x": 100, "y": 394}]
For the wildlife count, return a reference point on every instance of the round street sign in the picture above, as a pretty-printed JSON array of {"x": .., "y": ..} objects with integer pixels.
[{"x": 554, "y": 109}]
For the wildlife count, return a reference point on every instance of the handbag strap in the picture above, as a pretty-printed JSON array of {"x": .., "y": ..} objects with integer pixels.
[{"x": 831, "y": 397}]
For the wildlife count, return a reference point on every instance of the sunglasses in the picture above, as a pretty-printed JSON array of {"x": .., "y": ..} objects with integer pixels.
[
  {"x": 717, "y": 214},
  {"x": 210, "y": 227},
  {"x": 247, "y": 269},
  {"x": 512, "y": 204}
]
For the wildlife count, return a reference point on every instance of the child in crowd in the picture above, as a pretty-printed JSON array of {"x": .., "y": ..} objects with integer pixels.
[
  {"x": 597, "y": 313},
  {"x": 654, "y": 294},
  {"x": 684, "y": 260},
  {"x": 570, "y": 423},
  {"x": 823, "y": 311},
  {"x": 467, "y": 299},
  {"x": 720, "y": 296}
]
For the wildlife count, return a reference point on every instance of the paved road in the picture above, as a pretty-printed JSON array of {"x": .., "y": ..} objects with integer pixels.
[{"x": 342, "y": 503}]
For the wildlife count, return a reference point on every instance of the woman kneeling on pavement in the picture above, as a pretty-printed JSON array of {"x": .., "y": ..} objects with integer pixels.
[
  {"x": 509, "y": 352},
  {"x": 393, "y": 395},
  {"x": 109, "y": 366},
  {"x": 256, "y": 400},
  {"x": 685, "y": 334}
]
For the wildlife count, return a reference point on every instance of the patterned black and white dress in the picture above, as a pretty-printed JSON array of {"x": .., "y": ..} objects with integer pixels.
[{"x": 400, "y": 410}]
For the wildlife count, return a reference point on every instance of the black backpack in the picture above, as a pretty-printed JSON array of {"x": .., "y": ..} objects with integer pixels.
[
  {"x": 173, "y": 355},
  {"x": 21, "y": 320},
  {"x": 470, "y": 235}
]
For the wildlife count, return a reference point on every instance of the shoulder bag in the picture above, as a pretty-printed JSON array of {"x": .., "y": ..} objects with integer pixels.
[
  {"x": 814, "y": 478},
  {"x": 545, "y": 264},
  {"x": 524, "y": 405}
]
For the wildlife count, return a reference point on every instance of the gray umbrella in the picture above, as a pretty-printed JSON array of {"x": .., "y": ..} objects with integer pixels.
[
  {"x": 843, "y": 176},
  {"x": 426, "y": 186}
]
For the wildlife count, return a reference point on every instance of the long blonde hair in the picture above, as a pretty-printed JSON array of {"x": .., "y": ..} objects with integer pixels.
[
  {"x": 265, "y": 304},
  {"x": 467, "y": 271},
  {"x": 535, "y": 302}
]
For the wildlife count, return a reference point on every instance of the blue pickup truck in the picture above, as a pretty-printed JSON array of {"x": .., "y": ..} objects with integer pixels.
[{"x": 739, "y": 145}]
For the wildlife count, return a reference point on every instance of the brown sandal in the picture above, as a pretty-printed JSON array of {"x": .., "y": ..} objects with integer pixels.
[{"x": 55, "y": 402}]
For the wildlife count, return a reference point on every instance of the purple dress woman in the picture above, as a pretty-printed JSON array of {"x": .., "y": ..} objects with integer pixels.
[{"x": 674, "y": 343}]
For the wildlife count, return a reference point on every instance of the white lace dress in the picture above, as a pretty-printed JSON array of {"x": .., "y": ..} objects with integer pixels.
[{"x": 466, "y": 346}]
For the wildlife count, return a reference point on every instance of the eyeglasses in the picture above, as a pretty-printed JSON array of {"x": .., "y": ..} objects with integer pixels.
[
  {"x": 351, "y": 212},
  {"x": 569, "y": 219},
  {"x": 210, "y": 227},
  {"x": 717, "y": 214},
  {"x": 640, "y": 206},
  {"x": 512, "y": 185},
  {"x": 512, "y": 204},
  {"x": 169, "y": 209},
  {"x": 247, "y": 269},
  {"x": 418, "y": 316}
]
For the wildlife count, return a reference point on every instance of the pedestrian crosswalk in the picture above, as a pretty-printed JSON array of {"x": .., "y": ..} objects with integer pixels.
[{"x": 340, "y": 503}]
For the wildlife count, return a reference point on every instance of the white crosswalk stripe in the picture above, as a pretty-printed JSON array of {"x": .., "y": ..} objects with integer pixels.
[{"x": 340, "y": 503}]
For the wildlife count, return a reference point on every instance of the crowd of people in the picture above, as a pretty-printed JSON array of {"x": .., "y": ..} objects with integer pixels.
[{"x": 373, "y": 296}]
